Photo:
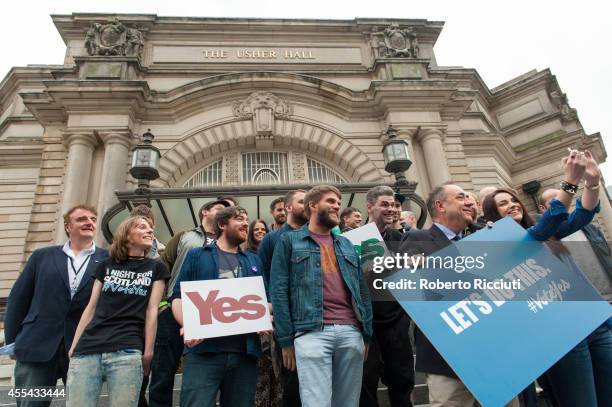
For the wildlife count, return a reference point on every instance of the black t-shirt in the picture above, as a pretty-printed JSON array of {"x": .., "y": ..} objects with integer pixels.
[
  {"x": 386, "y": 312},
  {"x": 119, "y": 320},
  {"x": 229, "y": 265}
]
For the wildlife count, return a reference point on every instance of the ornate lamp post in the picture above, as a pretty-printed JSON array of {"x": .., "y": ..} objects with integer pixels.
[
  {"x": 395, "y": 153},
  {"x": 397, "y": 162},
  {"x": 145, "y": 164}
]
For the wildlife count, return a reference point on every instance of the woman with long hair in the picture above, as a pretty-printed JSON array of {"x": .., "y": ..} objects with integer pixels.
[
  {"x": 555, "y": 221},
  {"x": 582, "y": 376},
  {"x": 116, "y": 334},
  {"x": 257, "y": 230}
]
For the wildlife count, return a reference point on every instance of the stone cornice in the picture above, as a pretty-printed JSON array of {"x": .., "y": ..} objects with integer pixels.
[
  {"x": 552, "y": 150},
  {"x": 469, "y": 76},
  {"x": 74, "y": 26},
  {"x": 22, "y": 77},
  {"x": 135, "y": 98},
  {"x": 16, "y": 120},
  {"x": 526, "y": 84},
  {"x": 542, "y": 151}
]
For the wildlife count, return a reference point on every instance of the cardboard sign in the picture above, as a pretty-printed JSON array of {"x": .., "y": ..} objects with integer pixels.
[
  {"x": 214, "y": 308},
  {"x": 368, "y": 243},
  {"x": 497, "y": 344}
]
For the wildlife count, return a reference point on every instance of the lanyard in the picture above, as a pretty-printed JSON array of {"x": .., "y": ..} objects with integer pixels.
[
  {"x": 76, "y": 272},
  {"x": 237, "y": 271}
]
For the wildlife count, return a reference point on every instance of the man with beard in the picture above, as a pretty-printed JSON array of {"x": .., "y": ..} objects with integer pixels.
[
  {"x": 451, "y": 210},
  {"x": 322, "y": 308},
  {"x": 168, "y": 343},
  {"x": 277, "y": 210},
  {"x": 227, "y": 363},
  {"x": 47, "y": 300},
  {"x": 391, "y": 353},
  {"x": 294, "y": 205}
]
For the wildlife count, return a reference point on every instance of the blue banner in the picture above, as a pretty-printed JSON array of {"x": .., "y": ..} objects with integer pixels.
[{"x": 498, "y": 341}]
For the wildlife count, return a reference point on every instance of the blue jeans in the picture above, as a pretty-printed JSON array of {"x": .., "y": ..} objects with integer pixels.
[
  {"x": 583, "y": 376},
  {"x": 122, "y": 371},
  {"x": 166, "y": 358},
  {"x": 37, "y": 374},
  {"x": 204, "y": 374},
  {"x": 330, "y": 365}
]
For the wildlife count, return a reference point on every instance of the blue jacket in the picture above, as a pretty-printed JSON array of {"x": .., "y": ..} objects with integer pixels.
[
  {"x": 40, "y": 313},
  {"x": 202, "y": 263},
  {"x": 266, "y": 249},
  {"x": 556, "y": 222},
  {"x": 296, "y": 287}
]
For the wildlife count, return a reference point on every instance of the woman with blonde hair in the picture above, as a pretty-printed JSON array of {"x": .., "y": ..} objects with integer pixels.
[{"x": 116, "y": 334}]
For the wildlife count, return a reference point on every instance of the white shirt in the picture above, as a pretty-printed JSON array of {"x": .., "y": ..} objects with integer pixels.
[
  {"x": 77, "y": 265},
  {"x": 450, "y": 235}
]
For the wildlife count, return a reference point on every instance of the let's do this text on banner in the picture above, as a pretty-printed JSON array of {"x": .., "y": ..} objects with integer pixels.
[
  {"x": 498, "y": 341},
  {"x": 214, "y": 308}
]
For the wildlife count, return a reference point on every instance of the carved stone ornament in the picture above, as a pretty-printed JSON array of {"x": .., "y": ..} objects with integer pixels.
[
  {"x": 263, "y": 107},
  {"x": 559, "y": 99},
  {"x": 114, "y": 38},
  {"x": 395, "y": 42}
]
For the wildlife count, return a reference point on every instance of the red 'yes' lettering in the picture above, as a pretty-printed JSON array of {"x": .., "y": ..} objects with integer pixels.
[{"x": 226, "y": 309}]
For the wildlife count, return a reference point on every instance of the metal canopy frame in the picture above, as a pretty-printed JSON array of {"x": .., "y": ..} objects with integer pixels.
[{"x": 129, "y": 198}]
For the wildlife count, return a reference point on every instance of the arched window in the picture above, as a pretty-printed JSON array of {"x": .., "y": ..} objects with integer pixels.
[
  {"x": 209, "y": 176},
  {"x": 319, "y": 173},
  {"x": 264, "y": 168}
]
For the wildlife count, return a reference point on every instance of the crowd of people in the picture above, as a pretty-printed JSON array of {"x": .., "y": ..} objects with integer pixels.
[{"x": 86, "y": 315}]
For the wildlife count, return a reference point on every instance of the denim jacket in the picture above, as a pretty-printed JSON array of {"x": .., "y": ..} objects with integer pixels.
[
  {"x": 296, "y": 285},
  {"x": 202, "y": 263}
]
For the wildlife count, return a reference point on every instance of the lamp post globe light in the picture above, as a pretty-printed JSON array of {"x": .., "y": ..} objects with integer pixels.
[
  {"x": 397, "y": 162},
  {"x": 397, "y": 159},
  {"x": 145, "y": 164}
]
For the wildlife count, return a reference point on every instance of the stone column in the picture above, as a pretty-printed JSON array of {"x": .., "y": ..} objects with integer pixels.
[
  {"x": 435, "y": 158},
  {"x": 407, "y": 134},
  {"x": 114, "y": 170},
  {"x": 76, "y": 178}
]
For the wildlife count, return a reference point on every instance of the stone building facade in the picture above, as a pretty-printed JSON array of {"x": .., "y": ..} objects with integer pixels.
[{"x": 238, "y": 102}]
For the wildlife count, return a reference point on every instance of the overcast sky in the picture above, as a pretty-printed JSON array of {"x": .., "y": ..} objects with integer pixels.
[{"x": 501, "y": 40}]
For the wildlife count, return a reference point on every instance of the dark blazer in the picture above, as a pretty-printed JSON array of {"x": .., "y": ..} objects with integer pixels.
[
  {"x": 40, "y": 313},
  {"x": 428, "y": 241}
]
